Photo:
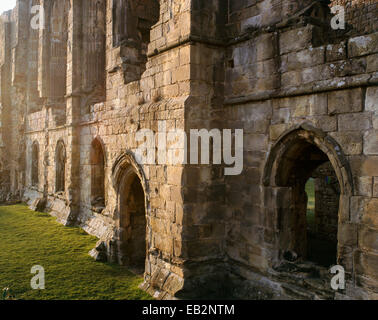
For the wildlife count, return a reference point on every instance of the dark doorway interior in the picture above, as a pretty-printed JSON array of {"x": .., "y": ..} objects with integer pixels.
[
  {"x": 133, "y": 226},
  {"x": 323, "y": 193},
  {"x": 309, "y": 223}
]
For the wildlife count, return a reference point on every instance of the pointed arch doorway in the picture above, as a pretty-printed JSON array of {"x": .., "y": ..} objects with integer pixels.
[{"x": 132, "y": 212}]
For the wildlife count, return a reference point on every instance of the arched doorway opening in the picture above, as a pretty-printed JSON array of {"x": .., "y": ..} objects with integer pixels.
[
  {"x": 305, "y": 177},
  {"x": 131, "y": 188},
  {"x": 301, "y": 236},
  {"x": 133, "y": 224}
]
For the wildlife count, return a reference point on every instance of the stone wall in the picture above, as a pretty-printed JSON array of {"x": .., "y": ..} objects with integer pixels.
[
  {"x": 327, "y": 198},
  {"x": 360, "y": 15},
  {"x": 276, "y": 82},
  {"x": 302, "y": 94}
]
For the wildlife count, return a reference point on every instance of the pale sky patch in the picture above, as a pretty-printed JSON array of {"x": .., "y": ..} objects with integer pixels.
[{"x": 7, "y": 5}]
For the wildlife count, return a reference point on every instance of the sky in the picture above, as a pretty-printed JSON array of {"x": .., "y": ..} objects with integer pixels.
[{"x": 7, "y": 5}]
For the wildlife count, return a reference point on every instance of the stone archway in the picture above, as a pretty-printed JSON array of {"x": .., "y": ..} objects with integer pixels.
[
  {"x": 97, "y": 161},
  {"x": 296, "y": 157},
  {"x": 132, "y": 208}
]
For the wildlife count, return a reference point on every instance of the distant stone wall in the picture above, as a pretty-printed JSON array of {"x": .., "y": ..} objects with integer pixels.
[
  {"x": 327, "y": 198},
  {"x": 362, "y": 15}
]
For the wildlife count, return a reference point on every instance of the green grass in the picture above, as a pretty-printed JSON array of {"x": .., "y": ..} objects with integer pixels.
[
  {"x": 310, "y": 190},
  {"x": 29, "y": 238}
]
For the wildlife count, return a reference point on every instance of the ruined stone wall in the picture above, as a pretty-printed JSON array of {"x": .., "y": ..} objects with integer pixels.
[
  {"x": 13, "y": 83},
  {"x": 5, "y": 174},
  {"x": 159, "y": 95},
  {"x": 360, "y": 14},
  {"x": 248, "y": 15},
  {"x": 217, "y": 64},
  {"x": 274, "y": 82}
]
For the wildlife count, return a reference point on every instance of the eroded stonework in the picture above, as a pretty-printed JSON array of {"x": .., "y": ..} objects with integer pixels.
[{"x": 75, "y": 92}]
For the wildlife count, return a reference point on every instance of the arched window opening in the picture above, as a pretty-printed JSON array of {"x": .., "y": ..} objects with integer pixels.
[
  {"x": 34, "y": 102},
  {"x": 133, "y": 223},
  {"x": 132, "y": 22},
  {"x": 35, "y": 165},
  {"x": 94, "y": 47},
  {"x": 97, "y": 175},
  {"x": 60, "y": 163},
  {"x": 58, "y": 48}
]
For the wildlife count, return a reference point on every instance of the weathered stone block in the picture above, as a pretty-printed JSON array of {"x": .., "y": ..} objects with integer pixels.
[
  {"x": 370, "y": 216},
  {"x": 345, "y": 258},
  {"x": 325, "y": 123},
  {"x": 281, "y": 116},
  {"x": 350, "y": 142},
  {"x": 345, "y": 101},
  {"x": 354, "y": 122},
  {"x": 357, "y": 208},
  {"x": 175, "y": 175},
  {"x": 344, "y": 209},
  {"x": 295, "y": 40},
  {"x": 305, "y": 58},
  {"x": 244, "y": 55},
  {"x": 256, "y": 142},
  {"x": 364, "y": 186},
  {"x": 318, "y": 104},
  {"x": 275, "y": 131},
  {"x": 291, "y": 79},
  {"x": 336, "y": 52},
  {"x": 371, "y": 99},
  {"x": 375, "y": 187},
  {"x": 372, "y": 63},
  {"x": 363, "y": 45},
  {"x": 366, "y": 264},
  {"x": 370, "y": 166},
  {"x": 368, "y": 239},
  {"x": 265, "y": 47},
  {"x": 313, "y": 74},
  {"x": 347, "y": 234},
  {"x": 371, "y": 143}
]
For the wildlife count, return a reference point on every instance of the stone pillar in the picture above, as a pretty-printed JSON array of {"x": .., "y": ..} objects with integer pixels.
[
  {"x": 73, "y": 101},
  {"x": 5, "y": 101}
]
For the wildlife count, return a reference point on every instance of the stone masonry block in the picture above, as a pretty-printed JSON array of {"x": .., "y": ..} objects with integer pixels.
[
  {"x": 354, "y": 122},
  {"x": 335, "y": 52},
  {"x": 371, "y": 143},
  {"x": 375, "y": 187},
  {"x": 295, "y": 40},
  {"x": 350, "y": 142},
  {"x": 363, "y": 45},
  {"x": 368, "y": 239},
  {"x": 372, "y": 63},
  {"x": 345, "y": 101}
]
